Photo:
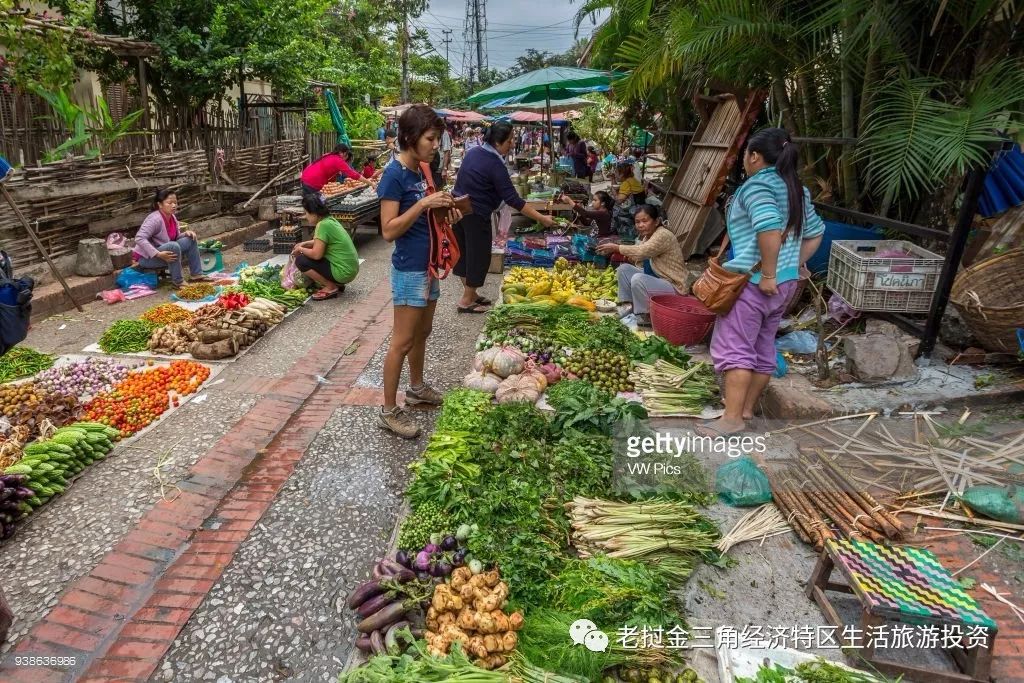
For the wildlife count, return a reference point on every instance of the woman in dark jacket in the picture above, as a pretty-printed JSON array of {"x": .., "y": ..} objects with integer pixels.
[{"x": 484, "y": 177}]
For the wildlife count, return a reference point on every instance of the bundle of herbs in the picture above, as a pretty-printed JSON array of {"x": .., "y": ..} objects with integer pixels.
[
  {"x": 463, "y": 410},
  {"x": 818, "y": 671},
  {"x": 669, "y": 389},
  {"x": 580, "y": 405},
  {"x": 543, "y": 639},
  {"x": 530, "y": 318},
  {"x": 667, "y": 534},
  {"x": 608, "y": 590},
  {"x": 654, "y": 348}
]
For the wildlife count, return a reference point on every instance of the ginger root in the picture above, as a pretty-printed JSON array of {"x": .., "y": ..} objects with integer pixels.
[
  {"x": 437, "y": 644},
  {"x": 492, "y": 578},
  {"x": 475, "y": 647},
  {"x": 460, "y": 577},
  {"x": 491, "y": 662}
]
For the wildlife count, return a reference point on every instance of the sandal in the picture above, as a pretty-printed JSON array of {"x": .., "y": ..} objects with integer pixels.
[
  {"x": 321, "y": 295},
  {"x": 711, "y": 428},
  {"x": 472, "y": 308},
  {"x": 484, "y": 301},
  {"x": 200, "y": 278}
]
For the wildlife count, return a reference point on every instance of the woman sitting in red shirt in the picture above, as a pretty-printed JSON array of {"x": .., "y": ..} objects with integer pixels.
[{"x": 328, "y": 167}]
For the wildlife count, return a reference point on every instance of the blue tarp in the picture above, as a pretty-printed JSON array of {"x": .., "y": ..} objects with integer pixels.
[{"x": 1004, "y": 184}]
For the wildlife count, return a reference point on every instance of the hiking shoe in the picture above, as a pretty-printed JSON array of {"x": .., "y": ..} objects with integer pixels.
[
  {"x": 643, "y": 319},
  {"x": 425, "y": 395},
  {"x": 398, "y": 422}
]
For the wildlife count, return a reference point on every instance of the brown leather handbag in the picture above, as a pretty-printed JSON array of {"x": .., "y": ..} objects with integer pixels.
[{"x": 718, "y": 288}]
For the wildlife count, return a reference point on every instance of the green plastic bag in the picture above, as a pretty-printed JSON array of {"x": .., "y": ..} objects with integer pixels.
[
  {"x": 741, "y": 483},
  {"x": 1002, "y": 503}
]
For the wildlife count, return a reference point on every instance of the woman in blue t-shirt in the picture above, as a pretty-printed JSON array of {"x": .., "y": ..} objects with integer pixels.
[{"x": 403, "y": 217}]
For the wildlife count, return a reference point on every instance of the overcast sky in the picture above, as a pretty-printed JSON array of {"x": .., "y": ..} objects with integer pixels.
[{"x": 513, "y": 26}]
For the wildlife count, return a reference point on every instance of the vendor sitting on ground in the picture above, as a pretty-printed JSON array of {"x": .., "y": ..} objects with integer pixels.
[
  {"x": 629, "y": 187},
  {"x": 662, "y": 267},
  {"x": 334, "y": 164},
  {"x": 330, "y": 258},
  {"x": 159, "y": 244},
  {"x": 599, "y": 211}
]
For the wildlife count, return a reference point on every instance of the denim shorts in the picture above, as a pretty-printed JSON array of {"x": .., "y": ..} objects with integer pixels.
[{"x": 410, "y": 288}]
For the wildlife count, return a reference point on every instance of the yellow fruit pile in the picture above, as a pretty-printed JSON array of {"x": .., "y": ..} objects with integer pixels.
[{"x": 577, "y": 285}]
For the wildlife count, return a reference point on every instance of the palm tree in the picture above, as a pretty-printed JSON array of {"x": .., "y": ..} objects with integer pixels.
[{"x": 924, "y": 85}]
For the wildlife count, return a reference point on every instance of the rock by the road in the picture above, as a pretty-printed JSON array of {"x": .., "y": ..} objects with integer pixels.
[{"x": 874, "y": 358}]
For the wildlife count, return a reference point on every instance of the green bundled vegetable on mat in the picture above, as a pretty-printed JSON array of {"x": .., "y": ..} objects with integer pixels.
[
  {"x": 127, "y": 336},
  {"x": 21, "y": 361}
]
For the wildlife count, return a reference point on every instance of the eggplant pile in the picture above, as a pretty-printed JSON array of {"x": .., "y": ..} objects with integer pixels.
[
  {"x": 386, "y": 604},
  {"x": 439, "y": 558},
  {"x": 13, "y": 505}
]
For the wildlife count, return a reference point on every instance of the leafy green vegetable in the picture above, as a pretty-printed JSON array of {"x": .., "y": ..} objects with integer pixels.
[
  {"x": 610, "y": 333},
  {"x": 544, "y": 639},
  {"x": 654, "y": 347},
  {"x": 818, "y": 671},
  {"x": 463, "y": 410},
  {"x": 615, "y": 591},
  {"x": 580, "y": 405},
  {"x": 515, "y": 423},
  {"x": 447, "y": 471}
]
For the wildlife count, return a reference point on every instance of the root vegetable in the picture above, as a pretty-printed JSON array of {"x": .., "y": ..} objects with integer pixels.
[{"x": 460, "y": 577}]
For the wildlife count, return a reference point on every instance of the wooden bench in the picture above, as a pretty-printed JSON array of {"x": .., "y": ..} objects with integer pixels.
[{"x": 906, "y": 585}]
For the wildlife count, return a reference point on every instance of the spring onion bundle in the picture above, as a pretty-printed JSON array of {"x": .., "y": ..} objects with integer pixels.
[
  {"x": 669, "y": 389},
  {"x": 670, "y": 535}
]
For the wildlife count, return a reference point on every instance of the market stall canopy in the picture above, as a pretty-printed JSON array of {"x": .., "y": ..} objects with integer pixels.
[
  {"x": 396, "y": 110},
  {"x": 465, "y": 116},
  {"x": 557, "y": 106},
  {"x": 546, "y": 83}
]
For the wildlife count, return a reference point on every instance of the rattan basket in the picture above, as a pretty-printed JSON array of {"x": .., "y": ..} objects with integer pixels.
[{"x": 990, "y": 297}]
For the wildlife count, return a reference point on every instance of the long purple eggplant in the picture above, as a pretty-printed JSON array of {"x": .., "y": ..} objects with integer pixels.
[
  {"x": 377, "y": 643},
  {"x": 374, "y": 605},
  {"x": 363, "y": 643},
  {"x": 364, "y": 592},
  {"x": 382, "y": 619}
]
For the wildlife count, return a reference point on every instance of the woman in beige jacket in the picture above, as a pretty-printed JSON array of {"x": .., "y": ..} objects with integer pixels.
[{"x": 662, "y": 269}]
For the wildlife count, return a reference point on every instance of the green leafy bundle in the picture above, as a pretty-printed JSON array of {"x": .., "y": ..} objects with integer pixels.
[
  {"x": 615, "y": 591},
  {"x": 463, "y": 410},
  {"x": 654, "y": 348}
]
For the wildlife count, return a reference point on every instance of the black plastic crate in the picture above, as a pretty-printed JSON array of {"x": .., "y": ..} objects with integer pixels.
[
  {"x": 284, "y": 247},
  {"x": 256, "y": 245},
  {"x": 286, "y": 235}
]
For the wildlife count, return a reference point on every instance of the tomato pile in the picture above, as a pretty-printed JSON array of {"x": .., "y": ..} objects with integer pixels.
[{"x": 143, "y": 397}]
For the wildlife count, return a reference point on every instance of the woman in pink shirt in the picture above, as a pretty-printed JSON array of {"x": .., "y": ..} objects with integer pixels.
[
  {"x": 159, "y": 243},
  {"x": 328, "y": 167}
]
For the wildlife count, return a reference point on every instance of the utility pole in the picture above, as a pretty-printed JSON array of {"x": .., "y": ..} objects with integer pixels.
[
  {"x": 405, "y": 54},
  {"x": 447, "y": 41},
  {"x": 479, "y": 39}
]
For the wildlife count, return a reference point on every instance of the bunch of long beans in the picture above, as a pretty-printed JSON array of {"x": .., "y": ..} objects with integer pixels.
[
  {"x": 669, "y": 389},
  {"x": 671, "y": 535}
]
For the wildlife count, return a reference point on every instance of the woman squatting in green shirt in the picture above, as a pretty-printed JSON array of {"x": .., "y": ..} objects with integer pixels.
[{"x": 330, "y": 258}]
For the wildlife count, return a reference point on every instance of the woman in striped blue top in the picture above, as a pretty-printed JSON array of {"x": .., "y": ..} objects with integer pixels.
[{"x": 774, "y": 229}]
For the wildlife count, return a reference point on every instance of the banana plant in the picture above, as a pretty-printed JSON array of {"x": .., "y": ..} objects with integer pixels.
[{"x": 69, "y": 115}]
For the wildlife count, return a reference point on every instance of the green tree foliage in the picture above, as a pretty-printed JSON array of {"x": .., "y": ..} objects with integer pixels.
[
  {"x": 44, "y": 58},
  {"x": 921, "y": 84}
]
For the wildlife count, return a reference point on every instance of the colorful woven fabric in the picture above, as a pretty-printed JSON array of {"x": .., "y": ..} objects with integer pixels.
[{"x": 907, "y": 582}]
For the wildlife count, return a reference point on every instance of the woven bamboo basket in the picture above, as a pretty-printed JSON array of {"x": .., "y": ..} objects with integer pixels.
[{"x": 990, "y": 297}]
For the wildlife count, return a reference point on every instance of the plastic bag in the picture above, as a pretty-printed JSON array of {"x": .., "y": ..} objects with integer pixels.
[
  {"x": 111, "y": 296},
  {"x": 800, "y": 341},
  {"x": 115, "y": 241},
  {"x": 130, "y": 276},
  {"x": 741, "y": 483},
  {"x": 781, "y": 366},
  {"x": 1002, "y": 503},
  {"x": 840, "y": 311},
  {"x": 292, "y": 277}
]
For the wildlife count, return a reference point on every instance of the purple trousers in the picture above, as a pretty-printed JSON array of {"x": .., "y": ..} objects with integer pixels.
[{"x": 744, "y": 337}]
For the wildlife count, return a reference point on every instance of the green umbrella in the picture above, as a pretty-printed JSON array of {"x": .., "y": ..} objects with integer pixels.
[
  {"x": 547, "y": 83},
  {"x": 336, "y": 118}
]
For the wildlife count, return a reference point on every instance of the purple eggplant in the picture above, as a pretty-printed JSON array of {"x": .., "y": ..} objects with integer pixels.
[
  {"x": 437, "y": 569},
  {"x": 449, "y": 543},
  {"x": 459, "y": 557},
  {"x": 391, "y": 637},
  {"x": 431, "y": 548},
  {"x": 402, "y": 558},
  {"x": 14, "y": 479},
  {"x": 382, "y": 619},
  {"x": 374, "y": 605},
  {"x": 24, "y": 493},
  {"x": 363, "y": 593},
  {"x": 377, "y": 643},
  {"x": 363, "y": 643},
  {"x": 423, "y": 576},
  {"x": 445, "y": 567},
  {"x": 378, "y": 571},
  {"x": 422, "y": 562}
]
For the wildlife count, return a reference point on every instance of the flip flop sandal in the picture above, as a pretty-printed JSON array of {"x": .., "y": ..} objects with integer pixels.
[
  {"x": 320, "y": 296},
  {"x": 712, "y": 430},
  {"x": 484, "y": 301},
  {"x": 474, "y": 308}
]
